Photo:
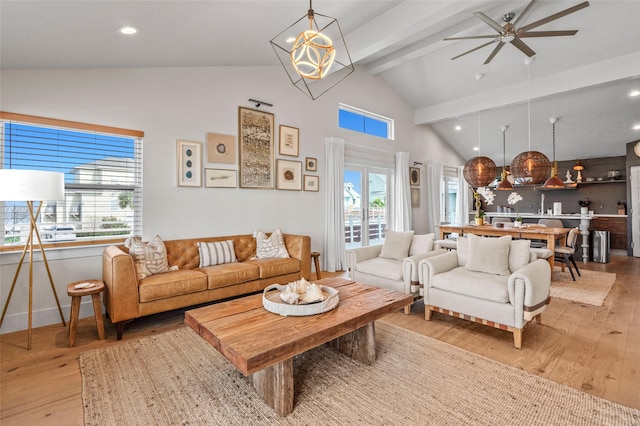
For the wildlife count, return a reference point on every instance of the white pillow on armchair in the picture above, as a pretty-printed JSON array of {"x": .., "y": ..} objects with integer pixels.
[{"x": 396, "y": 244}]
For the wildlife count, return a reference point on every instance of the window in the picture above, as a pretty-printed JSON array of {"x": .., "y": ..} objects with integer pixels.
[
  {"x": 103, "y": 179},
  {"x": 364, "y": 122},
  {"x": 449, "y": 193}
]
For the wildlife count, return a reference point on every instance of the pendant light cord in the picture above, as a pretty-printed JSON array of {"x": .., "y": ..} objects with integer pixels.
[{"x": 529, "y": 100}]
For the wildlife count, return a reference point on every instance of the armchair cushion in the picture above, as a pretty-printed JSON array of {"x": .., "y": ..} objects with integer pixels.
[
  {"x": 490, "y": 255},
  {"x": 480, "y": 286},
  {"x": 379, "y": 266},
  {"x": 421, "y": 244},
  {"x": 396, "y": 244}
]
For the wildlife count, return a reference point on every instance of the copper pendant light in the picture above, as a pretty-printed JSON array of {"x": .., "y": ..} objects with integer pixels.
[
  {"x": 530, "y": 167},
  {"x": 479, "y": 171},
  {"x": 554, "y": 181},
  {"x": 504, "y": 184}
]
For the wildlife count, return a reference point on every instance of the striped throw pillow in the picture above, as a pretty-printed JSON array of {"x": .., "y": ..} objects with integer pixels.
[{"x": 216, "y": 253}]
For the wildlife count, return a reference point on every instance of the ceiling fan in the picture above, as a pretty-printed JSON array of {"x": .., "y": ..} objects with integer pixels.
[{"x": 512, "y": 34}]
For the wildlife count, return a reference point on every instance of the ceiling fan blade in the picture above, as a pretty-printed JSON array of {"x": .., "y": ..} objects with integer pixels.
[
  {"x": 523, "y": 47},
  {"x": 471, "y": 37},
  {"x": 494, "y": 53},
  {"x": 554, "y": 16},
  {"x": 474, "y": 49},
  {"x": 548, "y": 33},
  {"x": 493, "y": 24},
  {"x": 524, "y": 13}
]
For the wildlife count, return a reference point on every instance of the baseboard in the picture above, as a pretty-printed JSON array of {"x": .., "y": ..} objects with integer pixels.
[{"x": 49, "y": 316}]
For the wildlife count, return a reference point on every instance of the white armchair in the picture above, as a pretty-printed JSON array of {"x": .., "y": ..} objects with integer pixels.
[
  {"x": 394, "y": 264},
  {"x": 493, "y": 281}
]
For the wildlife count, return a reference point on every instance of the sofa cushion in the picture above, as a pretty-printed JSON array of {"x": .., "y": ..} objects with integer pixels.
[
  {"x": 478, "y": 285},
  {"x": 396, "y": 244},
  {"x": 519, "y": 254},
  {"x": 175, "y": 283},
  {"x": 490, "y": 255},
  {"x": 216, "y": 253},
  {"x": 270, "y": 247},
  {"x": 275, "y": 267},
  {"x": 229, "y": 274},
  {"x": 381, "y": 267},
  {"x": 149, "y": 258},
  {"x": 421, "y": 244}
]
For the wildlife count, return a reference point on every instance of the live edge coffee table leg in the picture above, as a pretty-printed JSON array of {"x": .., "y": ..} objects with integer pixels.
[{"x": 275, "y": 385}]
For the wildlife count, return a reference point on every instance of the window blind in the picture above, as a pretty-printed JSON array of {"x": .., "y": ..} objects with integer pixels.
[{"x": 103, "y": 179}]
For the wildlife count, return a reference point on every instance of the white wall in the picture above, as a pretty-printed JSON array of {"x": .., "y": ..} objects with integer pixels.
[{"x": 185, "y": 103}]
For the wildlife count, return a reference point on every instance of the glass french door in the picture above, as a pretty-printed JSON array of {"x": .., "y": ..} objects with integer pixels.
[{"x": 365, "y": 205}]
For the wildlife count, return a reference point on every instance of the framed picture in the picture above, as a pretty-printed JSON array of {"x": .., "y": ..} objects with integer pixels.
[
  {"x": 415, "y": 197},
  {"x": 289, "y": 140},
  {"x": 289, "y": 175},
  {"x": 311, "y": 183},
  {"x": 189, "y": 156},
  {"x": 255, "y": 141},
  {"x": 311, "y": 164},
  {"x": 221, "y": 148},
  {"x": 220, "y": 178},
  {"x": 414, "y": 176}
]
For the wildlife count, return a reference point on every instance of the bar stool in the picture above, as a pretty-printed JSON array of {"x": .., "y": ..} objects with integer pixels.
[
  {"x": 316, "y": 258},
  {"x": 78, "y": 289}
]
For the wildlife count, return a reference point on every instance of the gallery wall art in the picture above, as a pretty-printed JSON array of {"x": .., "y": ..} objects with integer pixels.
[
  {"x": 220, "y": 178},
  {"x": 189, "y": 156},
  {"x": 221, "y": 148},
  {"x": 255, "y": 141}
]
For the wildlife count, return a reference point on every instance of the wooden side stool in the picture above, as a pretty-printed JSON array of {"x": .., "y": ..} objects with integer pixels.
[
  {"x": 85, "y": 288},
  {"x": 316, "y": 258}
]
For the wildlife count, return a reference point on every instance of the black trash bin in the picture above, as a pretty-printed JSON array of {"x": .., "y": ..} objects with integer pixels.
[{"x": 601, "y": 242}]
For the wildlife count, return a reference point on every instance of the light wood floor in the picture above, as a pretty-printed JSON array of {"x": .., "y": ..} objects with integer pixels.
[{"x": 593, "y": 349}]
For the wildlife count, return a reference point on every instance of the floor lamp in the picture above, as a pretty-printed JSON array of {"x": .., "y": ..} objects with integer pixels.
[{"x": 31, "y": 186}]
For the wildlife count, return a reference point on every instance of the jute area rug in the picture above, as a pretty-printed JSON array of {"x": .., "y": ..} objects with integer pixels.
[
  {"x": 176, "y": 378},
  {"x": 591, "y": 288}
]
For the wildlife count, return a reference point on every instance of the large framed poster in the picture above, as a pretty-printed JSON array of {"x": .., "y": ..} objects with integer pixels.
[{"x": 255, "y": 141}]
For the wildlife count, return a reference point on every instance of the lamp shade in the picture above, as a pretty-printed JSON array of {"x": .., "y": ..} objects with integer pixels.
[
  {"x": 479, "y": 171},
  {"x": 530, "y": 168},
  {"x": 31, "y": 185}
]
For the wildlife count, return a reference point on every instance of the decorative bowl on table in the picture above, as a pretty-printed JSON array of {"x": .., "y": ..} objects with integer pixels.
[{"x": 299, "y": 298}]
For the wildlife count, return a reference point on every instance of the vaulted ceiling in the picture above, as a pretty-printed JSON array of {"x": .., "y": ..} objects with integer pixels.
[{"x": 583, "y": 80}]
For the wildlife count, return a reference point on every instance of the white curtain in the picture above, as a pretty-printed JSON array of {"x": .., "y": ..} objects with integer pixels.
[
  {"x": 400, "y": 211},
  {"x": 462, "y": 199},
  {"x": 434, "y": 196},
  {"x": 335, "y": 253}
]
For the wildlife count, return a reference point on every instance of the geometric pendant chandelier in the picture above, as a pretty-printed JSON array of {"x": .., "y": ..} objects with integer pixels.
[{"x": 313, "y": 52}]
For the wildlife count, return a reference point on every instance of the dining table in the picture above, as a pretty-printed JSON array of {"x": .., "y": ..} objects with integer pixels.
[{"x": 552, "y": 236}]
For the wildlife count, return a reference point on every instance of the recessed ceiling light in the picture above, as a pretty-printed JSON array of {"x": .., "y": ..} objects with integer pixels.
[
  {"x": 128, "y": 30},
  {"x": 475, "y": 148},
  {"x": 634, "y": 93},
  {"x": 458, "y": 127},
  {"x": 636, "y": 127}
]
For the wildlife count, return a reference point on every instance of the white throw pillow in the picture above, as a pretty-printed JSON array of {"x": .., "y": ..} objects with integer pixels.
[
  {"x": 396, "y": 244},
  {"x": 270, "y": 247},
  {"x": 216, "y": 253},
  {"x": 519, "y": 254},
  {"x": 490, "y": 255},
  {"x": 149, "y": 258},
  {"x": 421, "y": 244}
]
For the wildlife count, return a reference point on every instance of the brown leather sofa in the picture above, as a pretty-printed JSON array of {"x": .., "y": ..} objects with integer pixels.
[{"x": 126, "y": 298}]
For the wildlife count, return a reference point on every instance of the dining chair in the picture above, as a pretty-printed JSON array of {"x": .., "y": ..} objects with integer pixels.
[
  {"x": 549, "y": 223},
  {"x": 565, "y": 253}
]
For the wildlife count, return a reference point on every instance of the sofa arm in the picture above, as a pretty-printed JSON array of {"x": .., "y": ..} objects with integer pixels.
[
  {"x": 438, "y": 264},
  {"x": 530, "y": 285},
  {"x": 410, "y": 264},
  {"x": 299, "y": 247},
  {"x": 121, "y": 284},
  {"x": 360, "y": 254}
]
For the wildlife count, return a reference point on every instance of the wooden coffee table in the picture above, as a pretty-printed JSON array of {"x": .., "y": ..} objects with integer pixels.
[{"x": 261, "y": 344}]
